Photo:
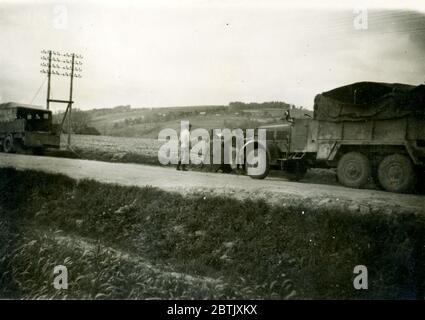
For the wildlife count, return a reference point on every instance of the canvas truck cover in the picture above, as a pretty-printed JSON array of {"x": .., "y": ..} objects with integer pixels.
[{"x": 370, "y": 100}]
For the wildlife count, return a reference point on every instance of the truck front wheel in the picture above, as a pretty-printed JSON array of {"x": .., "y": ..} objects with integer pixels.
[
  {"x": 253, "y": 162},
  {"x": 8, "y": 144},
  {"x": 353, "y": 170},
  {"x": 396, "y": 173}
]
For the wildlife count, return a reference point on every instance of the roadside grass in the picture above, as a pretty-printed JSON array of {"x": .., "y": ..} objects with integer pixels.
[
  {"x": 259, "y": 250},
  {"x": 96, "y": 272}
]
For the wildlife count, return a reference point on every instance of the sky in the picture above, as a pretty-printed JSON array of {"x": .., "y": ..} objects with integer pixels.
[{"x": 158, "y": 53}]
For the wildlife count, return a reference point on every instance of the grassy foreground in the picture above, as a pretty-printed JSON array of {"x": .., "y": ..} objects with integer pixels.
[{"x": 128, "y": 242}]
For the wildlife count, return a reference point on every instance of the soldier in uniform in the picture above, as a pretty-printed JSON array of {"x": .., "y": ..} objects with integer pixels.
[{"x": 184, "y": 148}]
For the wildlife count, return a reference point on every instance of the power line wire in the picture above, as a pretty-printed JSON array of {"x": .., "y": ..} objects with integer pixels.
[{"x": 38, "y": 91}]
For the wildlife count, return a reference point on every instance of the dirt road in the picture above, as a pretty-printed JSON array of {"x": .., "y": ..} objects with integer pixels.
[{"x": 275, "y": 190}]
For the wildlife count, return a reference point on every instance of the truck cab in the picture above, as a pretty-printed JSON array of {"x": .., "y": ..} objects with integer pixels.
[
  {"x": 291, "y": 146},
  {"x": 25, "y": 126}
]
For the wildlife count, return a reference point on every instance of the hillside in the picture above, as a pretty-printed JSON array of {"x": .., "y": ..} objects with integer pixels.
[{"x": 125, "y": 121}]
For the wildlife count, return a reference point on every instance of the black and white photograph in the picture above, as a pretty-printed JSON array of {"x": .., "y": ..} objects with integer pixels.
[{"x": 225, "y": 151}]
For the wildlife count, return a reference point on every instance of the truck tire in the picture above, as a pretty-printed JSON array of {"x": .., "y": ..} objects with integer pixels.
[
  {"x": 353, "y": 170},
  {"x": 8, "y": 144},
  {"x": 260, "y": 176},
  {"x": 396, "y": 173}
]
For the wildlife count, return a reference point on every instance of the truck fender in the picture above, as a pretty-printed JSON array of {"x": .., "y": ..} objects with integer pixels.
[
  {"x": 327, "y": 150},
  {"x": 411, "y": 152},
  {"x": 334, "y": 151}
]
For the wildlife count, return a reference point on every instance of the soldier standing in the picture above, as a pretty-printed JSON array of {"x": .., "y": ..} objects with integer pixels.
[{"x": 184, "y": 148}]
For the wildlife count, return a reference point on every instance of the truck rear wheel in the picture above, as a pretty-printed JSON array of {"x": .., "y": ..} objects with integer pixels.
[
  {"x": 353, "y": 170},
  {"x": 396, "y": 173},
  {"x": 8, "y": 144}
]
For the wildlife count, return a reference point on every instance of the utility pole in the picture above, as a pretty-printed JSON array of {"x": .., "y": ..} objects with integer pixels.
[
  {"x": 56, "y": 63},
  {"x": 70, "y": 99},
  {"x": 49, "y": 72}
]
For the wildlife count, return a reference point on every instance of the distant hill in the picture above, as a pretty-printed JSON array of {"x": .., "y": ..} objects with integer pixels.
[{"x": 126, "y": 121}]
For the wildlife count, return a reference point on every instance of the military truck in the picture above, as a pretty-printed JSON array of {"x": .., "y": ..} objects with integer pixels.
[
  {"x": 27, "y": 127},
  {"x": 365, "y": 130}
]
